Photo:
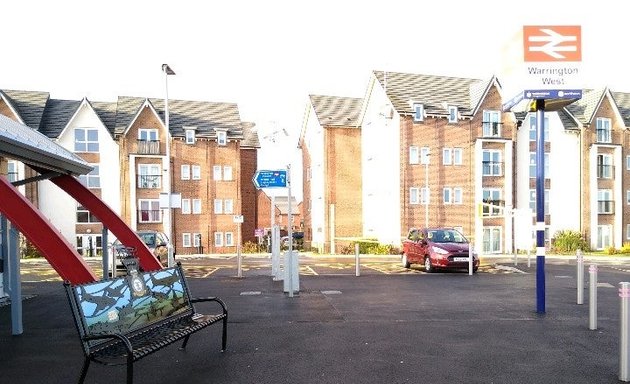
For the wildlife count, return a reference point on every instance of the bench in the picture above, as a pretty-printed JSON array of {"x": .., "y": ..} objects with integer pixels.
[{"x": 123, "y": 319}]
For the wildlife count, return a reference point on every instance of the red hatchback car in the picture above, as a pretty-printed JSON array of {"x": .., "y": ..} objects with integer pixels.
[{"x": 437, "y": 248}]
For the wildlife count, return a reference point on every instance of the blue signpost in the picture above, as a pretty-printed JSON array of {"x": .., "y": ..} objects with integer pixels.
[{"x": 270, "y": 179}]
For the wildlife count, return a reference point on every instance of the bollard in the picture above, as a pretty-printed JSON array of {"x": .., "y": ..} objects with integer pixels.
[
  {"x": 580, "y": 277},
  {"x": 592, "y": 305},
  {"x": 529, "y": 258},
  {"x": 624, "y": 335},
  {"x": 471, "y": 251},
  {"x": 357, "y": 271},
  {"x": 239, "y": 265}
]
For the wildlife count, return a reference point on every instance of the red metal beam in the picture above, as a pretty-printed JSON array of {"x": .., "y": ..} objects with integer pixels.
[
  {"x": 109, "y": 218},
  {"x": 56, "y": 249}
]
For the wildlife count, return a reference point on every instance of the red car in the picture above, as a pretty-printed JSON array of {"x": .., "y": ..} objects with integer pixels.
[{"x": 437, "y": 248}]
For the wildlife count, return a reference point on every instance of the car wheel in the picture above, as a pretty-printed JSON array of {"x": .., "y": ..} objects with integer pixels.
[
  {"x": 428, "y": 267},
  {"x": 405, "y": 262}
]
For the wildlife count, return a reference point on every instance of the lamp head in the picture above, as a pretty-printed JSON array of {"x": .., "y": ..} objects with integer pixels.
[{"x": 166, "y": 69}]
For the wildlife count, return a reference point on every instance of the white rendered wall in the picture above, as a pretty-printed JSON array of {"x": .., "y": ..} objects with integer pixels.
[{"x": 314, "y": 141}]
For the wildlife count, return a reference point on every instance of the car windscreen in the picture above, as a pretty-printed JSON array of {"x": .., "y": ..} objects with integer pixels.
[
  {"x": 148, "y": 239},
  {"x": 446, "y": 236}
]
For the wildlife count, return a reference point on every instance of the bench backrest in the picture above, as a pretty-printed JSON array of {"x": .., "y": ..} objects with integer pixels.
[{"x": 128, "y": 303}]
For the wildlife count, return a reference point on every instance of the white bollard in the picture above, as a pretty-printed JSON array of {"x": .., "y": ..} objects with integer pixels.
[
  {"x": 624, "y": 334},
  {"x": 592, "y": 307},
  {"x": 580, "y": 277},
  {"x": 357, "y": 270}
]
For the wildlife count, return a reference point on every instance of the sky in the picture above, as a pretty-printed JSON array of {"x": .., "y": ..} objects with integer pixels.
[{"x": 269, "y": 56}]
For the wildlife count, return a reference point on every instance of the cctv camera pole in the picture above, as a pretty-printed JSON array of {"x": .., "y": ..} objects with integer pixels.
[{"x": 540, "y": 205}]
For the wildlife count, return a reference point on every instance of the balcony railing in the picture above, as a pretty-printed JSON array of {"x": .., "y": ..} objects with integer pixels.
[
  {"x": 149, "y": 216},
  {"x": 12, "y": 176},
  {"x": 604, "y": 136},
  {"x": 150, "y": 181},
  {"x": 148, "y": 147},
  {"x": 491, "y": 129},
  {"x": 605, "y": 171},
  {"x": 492, "y": 168},
  {"x": 605, "y": 207}
]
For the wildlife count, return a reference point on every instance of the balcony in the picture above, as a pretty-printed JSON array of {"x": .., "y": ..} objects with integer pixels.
[
  {"x": 149, "y": 216},
  {"x": 12, "y": 177},
  {"x": 150, "y": 181},
  {"x": 604, "y": 135},
  {"x": 605, "y": 171},
  {"x": 492, "y": 168},
  {"x": 148, "y": 147},
  {"x": 605, "y": 207},
  {"x": 491, "y": 129}
]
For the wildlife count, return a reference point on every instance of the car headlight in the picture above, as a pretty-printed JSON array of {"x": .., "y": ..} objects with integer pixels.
[{"x": 439, "y": 250}]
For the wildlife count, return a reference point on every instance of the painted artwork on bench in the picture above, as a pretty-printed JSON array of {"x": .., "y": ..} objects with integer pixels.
[{"x": 126, "y": 303}]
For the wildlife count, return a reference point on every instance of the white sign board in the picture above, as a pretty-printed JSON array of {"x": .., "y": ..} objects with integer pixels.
[{"x": 238, "y": 219}]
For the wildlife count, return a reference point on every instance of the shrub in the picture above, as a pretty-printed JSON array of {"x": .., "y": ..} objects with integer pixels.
[
  {"x": 567, "y": 241},
  {"x": 251, "y": 247}
]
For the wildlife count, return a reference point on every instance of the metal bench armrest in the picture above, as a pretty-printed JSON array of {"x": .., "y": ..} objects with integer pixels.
[
  {"x": 206, "y": 299},
  {"x": 125, "y": 340}
]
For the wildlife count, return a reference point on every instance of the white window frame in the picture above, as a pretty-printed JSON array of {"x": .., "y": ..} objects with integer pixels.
[
  {"x": 91, "y": 180},
  {"x": 185, "y": 169},
  {"x": 414, "y": 155},
  {"x": 222, "y": 138},
  {"x": 627, "y": 231},
  {"x": 190, "y": 136},
  {"x": 418, "y": 112},
  {"x": 90, "y": 217},
  {"x": 452, "y": 114},
  {"x": 494, "y": 167},
  {"x": 88, "y": 144},
  {"x": 218, "y": 239},
  {"x": 425, "y": 154},
  {"x": 532, "y": 201},
  {"x": 196, "y": 239},
  {"x": 227, "y": 173},
  {"x": 196, "y": 206},
  {"x": 196, "y": 172},
  {"x": 458, "y": 195},
  {"x": 447, "y": 156},
  {"x": 532, "y": 128},
  {"x": 493, "y": 244},
  {"x": 628, "y": 197},
  {"x": 217, "y": 175},
  {"x": 154, "y": 207},
  {"x": 628, "y": 163},
  {"x": 603, "y": 130},
  {"x": 229, "y": 239},
  {"x": 605, "y": 163},
  {"x": 532, "y": 163},
  {"x": 186, "y": 207},
  {"x": 458, "y": 155},
  {"x": 604, "y": 236},
  {"x": 447, "y": 196},
  {"x": 148, "y": 134},
  {"x": 12, "y": 171},
  {"x": 145, "y": 170},
  {"x": 218, "y": 206},
  {"x": 495, "y": 194},
  {"x": 425, "y": 195},
  {"x": 186, "y": 240},
  {"x": 605, "y": 195},
  {"x": 228, "y": 206},
  {"x": 414, "y": 195},
  {"x": 490, "y": 121}
]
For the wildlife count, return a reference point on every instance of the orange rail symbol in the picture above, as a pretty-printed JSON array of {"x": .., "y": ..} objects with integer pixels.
[{"x": 552, "y": 43}]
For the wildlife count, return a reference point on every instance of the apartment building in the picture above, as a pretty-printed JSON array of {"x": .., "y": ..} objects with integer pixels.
[
  {"x": 330, "y": 141},
  {"x": 212, "y": 152}
]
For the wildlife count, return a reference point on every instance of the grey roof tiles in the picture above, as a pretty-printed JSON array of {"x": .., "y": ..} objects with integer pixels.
[{"x": 337, "y": 111}]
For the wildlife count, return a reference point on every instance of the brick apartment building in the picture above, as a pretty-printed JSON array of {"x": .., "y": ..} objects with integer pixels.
[{"x": 212, "y": 160}]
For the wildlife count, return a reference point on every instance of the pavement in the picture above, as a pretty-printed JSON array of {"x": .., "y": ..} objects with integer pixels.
[{"x": 375, "y": 328}]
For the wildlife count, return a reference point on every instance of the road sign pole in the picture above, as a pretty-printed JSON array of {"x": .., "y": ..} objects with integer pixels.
[{"x": 540, "y": 205}]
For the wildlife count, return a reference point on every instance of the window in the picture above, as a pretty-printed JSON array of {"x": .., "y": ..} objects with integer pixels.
[
  {"x": 185, "y": 172},
  {"x": 604, "y": 166},
  {"x": 196, "y": 206},
  {"x": 452, "y": 114},
  {"x": 149, "y": 176},
  {"x": 86, "y": 140},
  {"x": 457, "y": 196},
  {"x": 190, "y": 136},
  {"x": 196, "y": 239},
  {"x": 532, "y": 165},
  {"x": 228, "y": 206},
  {"x": 218, "y": 239},
  {"x": 186, "y": 240},
  {"x": 216, "y": 172},
  {"x": 447, "y": 156},
  {"x": 196, "y": 172},
  {"x": 492, "y": 196},
  {"x": 418, "y": 112},
  {"x": 491, "y": 161},
  {"x": 628, "y": 197},
  {"x": 628, "y": 232},
  {"x": 85, "y": 216},
  {"x": 604, "y": 134},
  {"x": 218, "y": 206},
  {"x": 492, "y": 239},
  {"x": 605, "y": 201},
  {"x": 12, "y": 171},
  {"x": 185, "y": 206},
  {"x": 627, "y": 163},
  {"x": 149, "y": 211},
  {"x": 414, "y": 196},
  {"x": 457, "y": 156},
  {"x": 414, "y": 155},
  {"x": 532, "y": 128},
  {"x": 145, "y": 134},
  {"x": 491, "y": 125},
  {"x": 229, "y": 239},
  {"x": 227, "y": 172},
  {"x": 92, "y": 179},
  {"x": 424, "y": 155},
  {"x": 448, "y": 195},
  {"x": 532, "y": 201},
  {"x": 222, "y": 137},
  {"x": 604, "y": 236},
  {"x": 424, "y": 195}
]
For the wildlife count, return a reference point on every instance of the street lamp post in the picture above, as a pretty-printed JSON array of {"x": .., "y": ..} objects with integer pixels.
[
  {"x": 169, "y": 227},
  {"x": 426, "y": 187}
]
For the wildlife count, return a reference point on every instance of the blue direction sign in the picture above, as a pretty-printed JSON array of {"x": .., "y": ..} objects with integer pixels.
[{"x": 270, "y": 178}]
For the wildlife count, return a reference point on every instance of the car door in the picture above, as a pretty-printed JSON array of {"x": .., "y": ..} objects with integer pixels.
[
  {"x": 413, "y": 242},
  {"x": 423, "y": 244}
]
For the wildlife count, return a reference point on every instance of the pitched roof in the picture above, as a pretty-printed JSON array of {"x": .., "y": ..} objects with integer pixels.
[
  {"x": 336, "y": 110},
  {"x": 622, "y": 99},
  {"x": 57, "y": 115},
  {"x": 205, "y": 116},
  {"x": 584, "y": 108},
  {"x": 29, "y": 105},
  {"x": 250, "y": 136},
  {"x": 282, "y": 204},
  {"x": 435, "y": 92}
]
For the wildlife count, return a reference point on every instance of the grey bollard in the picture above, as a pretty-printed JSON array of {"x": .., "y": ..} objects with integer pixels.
[
  {"x": 580, "y": 277},
  {"x": 624, "y": 334},
  {"x": 357, "y": 270},
  {"x": 592, "y": 305}
]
